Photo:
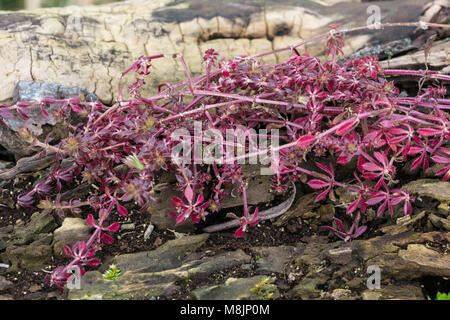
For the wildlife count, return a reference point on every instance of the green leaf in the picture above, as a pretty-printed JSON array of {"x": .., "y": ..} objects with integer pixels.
[{"x": 112, "y": 273}]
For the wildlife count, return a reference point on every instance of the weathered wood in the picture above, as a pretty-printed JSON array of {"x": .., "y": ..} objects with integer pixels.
[
  {"x": 438, "y": 59},
  {"x": 89, "y": 47}
]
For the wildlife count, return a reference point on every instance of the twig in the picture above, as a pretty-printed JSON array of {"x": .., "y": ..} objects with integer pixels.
[{"x": 264, "y": 215}]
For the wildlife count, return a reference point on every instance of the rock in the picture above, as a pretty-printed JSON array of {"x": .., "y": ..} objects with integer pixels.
[
  {"x": 35, "y": 288},
  {"x": 247, "y": 267},
  {"x": 40, "y": 223},
  {"x": 40, "y": 126},
  {"x": 342, "y": 255},
  {"x": 128, "y": 226},
  {"x": 148, "y": 231},
  {"x": 127, "y": 286},
  {"x": 71, "y": 231},
  {"x": 44, "y": 239},
  {"x": 160, "y": 213},
  {"x": 200, "y": 269},
  {"x": 7, "y": 229},
  {"x": 272, "y": 259},
  {"x": 364, "y": 250},
  {"x": 258, "y": 190},
  {"x": 436, "y": 189},
  {"x": 444, "y": 209},
  {"x": 355, "y": 283},
  {"x": 258, "y": 193},
  {"x": 6, "y": 297},
  {"x": 339, "y": 294},
  {"x": 400, "y": 257},
  {"x": 425, "y": 261},
  {"x": 308, "y": 287},
  {"x": 371, "y": 295},
  {"x": 4, "y": 235},
  {"x": 5, "y": 284},
  {"x": 394, "y": 292},
  {"x": 314, "y": 252},
  {"x": 437, "y": 237},
  {"x": 156, "y": 279},
  {"x": 254, "y": 288},
  {"x": 303, "y": 208},
  {"x": 31, "y": 257},
  {"x": 5, "y": 194},
  {"x": 35, "y": 296},
  {"x": 326, "y": 212},
  {"x": 439, "y": 222},
  {"x": 167, "y": 256},
  {"x": 405, "y": 224}
]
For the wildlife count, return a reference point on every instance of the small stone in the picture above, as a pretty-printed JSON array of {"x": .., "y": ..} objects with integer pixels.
[
  {"x": 340, "y": 255},
  {"x": 40, "y": 223},
  {"x": 310, "y": 215},
  {"x": 34, "y": 288},
  {"x": 436, "y": 189},
  {"x": 2, "y": 244},
  {"x": 404, "y": 224},
  {"x": 148, "y": 231},
  {"x": 342, "y": 294},
  {"x": 403, "y": 219},
  {"x": 254, "y": 288},
  {"x": 425, "y": 261},
  {"x": 52, "y": 295},
  {"x": 71, "y": 231},
  {"x": 31, "y": 257},
  {"x": 157, "y": 242},
  {"x": 5, "y": 284},
  {"x": 371, "y": 295},
  {"x": 355, "y": 283},
  {"x": 308, "y": 287},
  {"x": 394, "y": 292},
  {"x": 326, "y": 212},
  {"x": 439, "y": 222},
  {"x": 257, "y": 190},
  {"x": 272, "y": 259},
  {"x": 444, "y": 209},
  {"x": 128, "y": 226},
  {"x": 160, "y": 213},
  {"x": 7, "y": 229},
  {"x": 247, "y": 267},
  {"x": 38, "y": 124},
  {"x": 35, "y": 296}
]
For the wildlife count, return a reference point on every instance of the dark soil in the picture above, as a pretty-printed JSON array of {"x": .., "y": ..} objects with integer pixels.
[{"x": 30, "y": 284}]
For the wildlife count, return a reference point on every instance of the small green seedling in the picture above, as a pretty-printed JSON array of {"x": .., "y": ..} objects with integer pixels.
[
  {"x": 264, "y": 289},
  {"x": 112, "y": 273},
  {"x": 441, "y": 296}
]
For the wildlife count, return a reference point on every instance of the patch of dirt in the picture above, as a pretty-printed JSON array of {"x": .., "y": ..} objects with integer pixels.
[{"x": 30, "y": 284}]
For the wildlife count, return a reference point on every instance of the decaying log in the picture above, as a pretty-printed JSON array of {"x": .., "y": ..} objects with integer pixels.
[
  {"x": 29, "y": 164},
  {"x": 89, "y": 47},
  {"x": 438, "y": 59}
]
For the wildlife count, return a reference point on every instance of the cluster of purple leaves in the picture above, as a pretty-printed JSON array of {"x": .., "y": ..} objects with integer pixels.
[{"x": 344, "y": 108}]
